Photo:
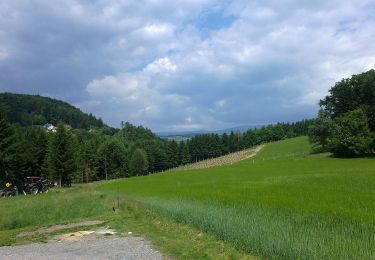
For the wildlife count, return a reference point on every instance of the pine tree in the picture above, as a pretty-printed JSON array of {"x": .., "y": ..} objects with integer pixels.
[
  {"x": 36, "y": 143},
  {"x": 172, "y": 153},
  {"x": 184, "y": 154},
  {"x": 60, "y": 159},
  {"x": 7, "y": 147},
  {"x": 111, "y": 156}
]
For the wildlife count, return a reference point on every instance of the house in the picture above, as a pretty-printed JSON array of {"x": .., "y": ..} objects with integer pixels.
[{"x": 50, "y": 128}]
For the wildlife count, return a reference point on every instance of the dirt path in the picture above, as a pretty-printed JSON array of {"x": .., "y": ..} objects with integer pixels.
[
  {"x": 222, "y": 160},
  {"x": 89, "y": 247},
  {"x": 92, "y": 244}
]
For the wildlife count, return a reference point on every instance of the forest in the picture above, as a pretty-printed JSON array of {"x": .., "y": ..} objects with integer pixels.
[
  {"x": 27, "y": 110},
  {"x": 97, "y": 152}
]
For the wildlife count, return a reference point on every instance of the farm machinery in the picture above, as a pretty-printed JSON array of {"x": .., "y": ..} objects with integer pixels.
[{"x": 31, "y": 185}]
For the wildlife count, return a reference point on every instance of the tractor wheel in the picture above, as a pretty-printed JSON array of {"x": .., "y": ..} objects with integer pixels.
[{"x": 34, "y": 190}]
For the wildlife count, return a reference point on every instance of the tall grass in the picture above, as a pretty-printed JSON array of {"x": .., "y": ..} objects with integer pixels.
[{"x": 283, "y": 203}]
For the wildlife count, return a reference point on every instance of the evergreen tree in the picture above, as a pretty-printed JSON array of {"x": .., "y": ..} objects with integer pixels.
[
  {"x": 184, "y": 155},
  {"x": 60, "y": 159},
  {"x": 172, "y": 153},
  {"x": 36, "y": 143},
  {"x": 111, "y": 156},
  {"x": 7, "y": 147}
]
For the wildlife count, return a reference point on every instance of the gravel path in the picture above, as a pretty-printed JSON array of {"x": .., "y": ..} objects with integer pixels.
[{"x": 90, "y": 247}]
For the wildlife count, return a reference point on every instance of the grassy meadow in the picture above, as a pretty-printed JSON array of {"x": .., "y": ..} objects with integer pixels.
[
  {"x": 282, "y": 203},
  {"x": 176, "y": 240}
]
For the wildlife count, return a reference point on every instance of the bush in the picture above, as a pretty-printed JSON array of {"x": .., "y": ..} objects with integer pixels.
[{"x": 351, "y": 135}]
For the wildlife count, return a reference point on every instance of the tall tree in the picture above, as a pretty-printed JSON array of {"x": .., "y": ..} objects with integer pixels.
[
  {"x": 184, "y": 155},
  {"x": 350, "y": 108},
  {"x": 7, "y": 147},
  {"x": 350, "y": 94},
  {"x": 111, "y": 156},
  {"x": 172, "y": 153},
  {"x": 60, "y": 159},
  {"x": 36, "y": 143},
  {"x": 321, "y": 130},
  {"x": 138, "y": 163}
]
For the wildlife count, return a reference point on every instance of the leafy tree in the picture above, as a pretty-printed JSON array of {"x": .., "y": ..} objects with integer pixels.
[
  {"x": 351, "y": 136},
  {"x": 138, "y": 163},
  {"x": 346, "y": 122},
  {"x": 60, "y": 159},
  {"x": 350, "y": 94},
  {"x": 321, "y": 130}
]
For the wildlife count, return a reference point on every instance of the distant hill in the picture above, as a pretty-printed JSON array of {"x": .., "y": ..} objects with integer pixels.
[{"x": 37, "y": 110}]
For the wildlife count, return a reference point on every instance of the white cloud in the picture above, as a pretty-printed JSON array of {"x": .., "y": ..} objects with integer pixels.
[
  {"x": 156, "y": 64},
  {"x": 162, "y": 65},
  {"x": 157, "y": 30}
]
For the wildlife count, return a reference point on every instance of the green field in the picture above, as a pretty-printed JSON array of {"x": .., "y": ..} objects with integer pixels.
[{"x": 283, "y": 203}]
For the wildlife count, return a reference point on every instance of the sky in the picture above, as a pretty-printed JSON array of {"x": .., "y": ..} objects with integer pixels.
[{"x": 173, "y": 65}]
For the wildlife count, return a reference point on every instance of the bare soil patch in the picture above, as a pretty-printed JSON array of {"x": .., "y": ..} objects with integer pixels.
[{"x": 60, "y": 227}]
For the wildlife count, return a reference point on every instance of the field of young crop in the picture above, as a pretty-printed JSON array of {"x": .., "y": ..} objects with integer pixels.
[{"x": 282, "y": 203}]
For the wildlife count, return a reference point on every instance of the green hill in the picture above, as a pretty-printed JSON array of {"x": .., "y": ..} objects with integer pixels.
[
  {"x": 283, "y": 203},
  {"x": 28, "y": 110}
]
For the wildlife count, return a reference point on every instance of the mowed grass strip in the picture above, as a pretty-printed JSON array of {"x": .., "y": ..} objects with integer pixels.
[{"x": 283, "y": 203}]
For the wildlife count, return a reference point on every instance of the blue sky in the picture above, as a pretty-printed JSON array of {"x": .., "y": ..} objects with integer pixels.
[{"x": 185, "y": 65}]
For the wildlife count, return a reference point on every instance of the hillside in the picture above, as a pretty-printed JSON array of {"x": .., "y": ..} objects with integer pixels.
[
  {"x": 26, "y": 110},
  {"x": 282, "y": 204}
]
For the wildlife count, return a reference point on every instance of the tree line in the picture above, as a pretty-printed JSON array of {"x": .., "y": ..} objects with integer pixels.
[
  {"x": 345, "y": 124},
  {"x": 78, "y": 155}
]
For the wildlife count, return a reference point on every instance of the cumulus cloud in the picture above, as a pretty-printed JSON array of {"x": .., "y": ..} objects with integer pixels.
[{"x": 185, "y": 64}]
